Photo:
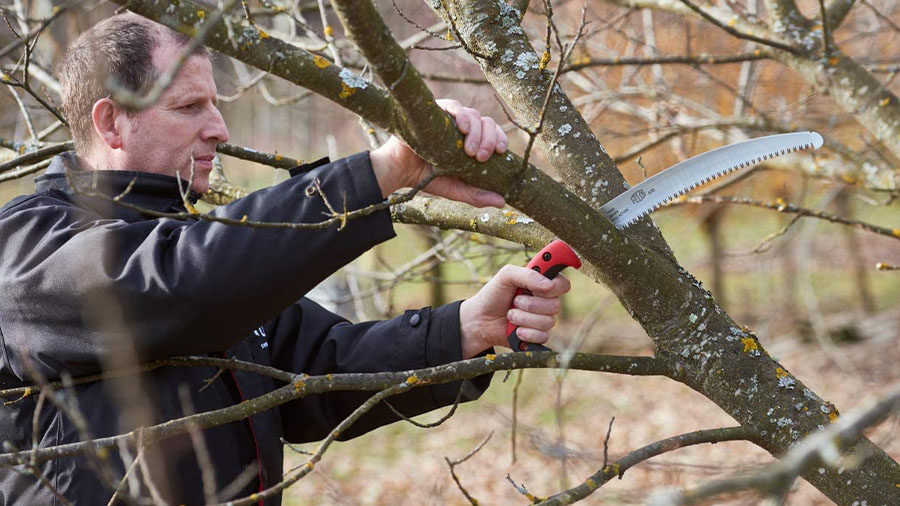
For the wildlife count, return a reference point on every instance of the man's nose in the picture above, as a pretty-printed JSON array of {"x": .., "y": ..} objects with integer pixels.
[{"x": 216, "y": 129}]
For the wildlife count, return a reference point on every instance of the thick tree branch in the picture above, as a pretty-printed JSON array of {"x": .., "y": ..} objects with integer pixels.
[{"x": 303, "y": 385}]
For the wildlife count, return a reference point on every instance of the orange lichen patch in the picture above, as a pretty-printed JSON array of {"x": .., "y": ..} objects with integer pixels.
[
  {"x": 459, "y": 144},
  {"x": 490, "y": 357},
  {"x": 321, "y": 62},
  {"x": 885, "y": 102},
  {"x": 834, "y": 61},
  {"x": 329, "y": 31},
  {"x": 299, "y": 386},
  {"x": 412, "y": 380},
  {"x": 757, "y": 52},
  {"x": 611, "y": 470},
  {"x": 896, "y": 232},
  {"x": 346, "y": 91},
  {"x": 781, "y": 373},
  {"x": 732, "y": 21},
  {"x": 545, "y": 59},
  {"x": 591, "y": 484},
  {"x": 511, "y": 217},
  {"x": 262, "y": 34},
  {"x": 201, "y": 14},
  {"x": 244, "y": 219},
  {"x": 449, "y": 35},
  {"x": 749, "y": 344},
  {"x": 833, "y": 416},
  {"x": 848, "y": 178}
]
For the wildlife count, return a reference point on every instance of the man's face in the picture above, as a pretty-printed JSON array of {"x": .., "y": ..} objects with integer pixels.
[{"x": 182, "y": 128}]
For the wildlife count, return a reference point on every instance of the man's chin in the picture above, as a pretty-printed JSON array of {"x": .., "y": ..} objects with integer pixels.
[{"x": 200, "y": 184}]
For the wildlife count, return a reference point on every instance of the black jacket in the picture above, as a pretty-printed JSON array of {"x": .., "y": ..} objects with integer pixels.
[{"x": 87, "y": 284}]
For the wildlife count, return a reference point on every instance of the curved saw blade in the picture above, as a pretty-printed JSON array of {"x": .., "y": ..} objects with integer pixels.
[{"x": 631, "y": 205}]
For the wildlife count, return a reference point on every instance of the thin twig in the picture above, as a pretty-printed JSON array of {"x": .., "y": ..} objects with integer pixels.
[
  {"x": 784, "y": 207},
  {"x": 515, "y": 414},
  {"x": 826, "y": 31},
  {"x": 702, "y": 59},
  {"x": 633, "y": 458},
  {"x": 454, "y": 463},
  {"x": 272, "y": 160},
  {"x": 533, "y": 133},
  {"x": 741, "y": 35},
  {"x": 436, "y": 423},
  {"x": 606, "y": 442}
]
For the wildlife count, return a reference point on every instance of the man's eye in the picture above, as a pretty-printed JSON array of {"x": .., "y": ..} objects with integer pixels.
[{"x": 191, "y": 106}]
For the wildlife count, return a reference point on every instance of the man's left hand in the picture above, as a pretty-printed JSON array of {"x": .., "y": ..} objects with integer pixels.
[{"x": 397, "y": 166}]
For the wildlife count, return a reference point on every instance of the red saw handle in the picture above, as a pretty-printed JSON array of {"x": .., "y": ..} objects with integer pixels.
[{"x": 549, "y": 261}]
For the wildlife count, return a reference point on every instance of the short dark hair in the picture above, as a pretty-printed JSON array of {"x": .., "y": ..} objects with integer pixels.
[{"x": 120, "y": 47}]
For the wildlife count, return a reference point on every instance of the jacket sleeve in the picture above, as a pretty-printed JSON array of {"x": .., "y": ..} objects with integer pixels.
[
  {"x": 74, "y": 286},
  {"x": 312, "y": 340}
]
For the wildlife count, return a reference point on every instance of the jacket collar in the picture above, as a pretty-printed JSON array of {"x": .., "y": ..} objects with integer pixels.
[{"x": 156, "y": 192}]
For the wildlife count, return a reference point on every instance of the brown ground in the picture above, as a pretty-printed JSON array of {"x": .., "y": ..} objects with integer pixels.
[{"x": 405, "y": 465}]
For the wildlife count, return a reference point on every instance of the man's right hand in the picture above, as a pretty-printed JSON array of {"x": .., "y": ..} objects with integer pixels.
[{"x": 483, "y": 317}]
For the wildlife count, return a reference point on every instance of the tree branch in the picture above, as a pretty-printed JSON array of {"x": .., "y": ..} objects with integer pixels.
[
  {"x": 303, "y": 385},
  {"x": 618, "y": 468},
  {"x": 837, "y": 11},
  {"x": 745, "y": 36},
  {"x": 825, "y": 448},
  {"x": 788, "y": 208}
]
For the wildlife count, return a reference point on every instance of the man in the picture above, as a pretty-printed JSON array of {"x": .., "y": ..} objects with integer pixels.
[{"x": 94, "y": 276}]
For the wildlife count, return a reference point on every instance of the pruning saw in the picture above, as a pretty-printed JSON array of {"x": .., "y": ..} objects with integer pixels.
[{"x": 642, "y": 199}]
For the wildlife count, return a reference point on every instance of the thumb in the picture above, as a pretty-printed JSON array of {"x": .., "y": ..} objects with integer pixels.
[{"x": 523, "y": 277}]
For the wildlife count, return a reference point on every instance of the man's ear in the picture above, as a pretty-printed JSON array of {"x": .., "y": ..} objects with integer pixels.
[{"x": 104, "y": 115}]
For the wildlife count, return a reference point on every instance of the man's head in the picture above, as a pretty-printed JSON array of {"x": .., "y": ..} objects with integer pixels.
[{"x": 180, "y": 130}]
